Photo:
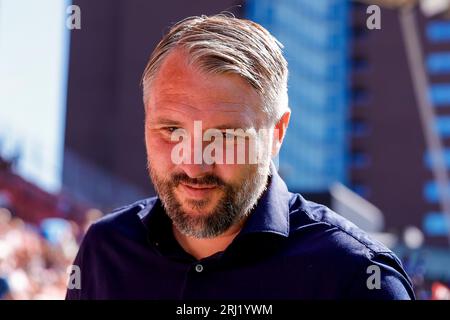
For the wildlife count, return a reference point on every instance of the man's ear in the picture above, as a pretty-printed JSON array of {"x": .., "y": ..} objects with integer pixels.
[{"x": 279, "y": 132}]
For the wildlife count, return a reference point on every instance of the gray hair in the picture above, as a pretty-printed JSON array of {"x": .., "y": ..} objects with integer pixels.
[{"x": 224, "y": 44}]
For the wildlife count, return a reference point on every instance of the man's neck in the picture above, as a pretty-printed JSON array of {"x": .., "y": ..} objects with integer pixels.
[{"x": 205, "y": 247}]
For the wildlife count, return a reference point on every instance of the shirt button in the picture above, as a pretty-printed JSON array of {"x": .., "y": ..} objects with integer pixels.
[{"x": 199, "y": 268}]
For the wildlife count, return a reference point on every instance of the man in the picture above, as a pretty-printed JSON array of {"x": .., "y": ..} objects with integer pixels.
[{"x": 224, "y": 225}]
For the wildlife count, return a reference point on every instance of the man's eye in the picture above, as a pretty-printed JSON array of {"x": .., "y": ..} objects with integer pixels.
[
  {"x": 227, "y": 135},
  {"x": 170, "y": 129}
]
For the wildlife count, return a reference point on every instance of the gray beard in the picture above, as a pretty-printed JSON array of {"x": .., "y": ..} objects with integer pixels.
[{"x": 236, "y": 204}]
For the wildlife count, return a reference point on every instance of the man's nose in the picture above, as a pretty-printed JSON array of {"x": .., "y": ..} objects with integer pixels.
[
  {"x": 194, "y": 164},
  {"x": 197, "y": 170},
  {"x": 197, "y": 167}
]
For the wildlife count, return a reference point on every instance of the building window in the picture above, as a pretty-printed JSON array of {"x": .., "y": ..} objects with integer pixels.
[
  {"x": 360, "y": 160},
  {"x": 360, "y": 96},
  {"x": 431, "y": 192},
  {"x": 359, "y": 32},
  {"x": 442, "y": 126},
  {"x": 438, "y": 63},
  {"x": 359, "y": 128},
  {"x": 436, "y": 224},
  {"x": 429, "y": 161},
  {"x": 440, "y": 94},
  {"x": 359, "y": 64},
  {"x": 438, "y": 31}
]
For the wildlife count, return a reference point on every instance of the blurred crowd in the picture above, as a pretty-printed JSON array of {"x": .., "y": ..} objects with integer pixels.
[
  {"x": 415, "y": 265},
  {"x": 34, "y": 259}
]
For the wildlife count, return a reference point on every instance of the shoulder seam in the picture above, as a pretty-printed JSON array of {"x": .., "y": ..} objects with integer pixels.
[{"x": 372, "y": 251}]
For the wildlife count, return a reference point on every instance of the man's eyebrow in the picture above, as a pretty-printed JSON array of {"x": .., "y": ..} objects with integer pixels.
[
  {"x": 232, "y": 126},
  {"x": 166, "y": 121},
  {"x": 172, "y": 122}
]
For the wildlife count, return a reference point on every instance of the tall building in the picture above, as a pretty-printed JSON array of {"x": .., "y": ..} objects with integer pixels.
[
  {"x": 315, "y": 36},
  {"x": 356, "y": 115},
  {"x": 104, "y": 158},
  {"x": 435, "y": 37},
  {"x": 392, "y": 127}
]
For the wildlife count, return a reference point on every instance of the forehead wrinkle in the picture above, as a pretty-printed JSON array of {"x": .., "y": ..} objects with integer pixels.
[
  {"x": 208, "y": 107},
  {"x": 183, "y": 99},
  {"x": 214, "y": 121}
]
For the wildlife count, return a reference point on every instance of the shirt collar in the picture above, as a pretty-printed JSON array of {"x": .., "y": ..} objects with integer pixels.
[{"x": 271, "y": 213}]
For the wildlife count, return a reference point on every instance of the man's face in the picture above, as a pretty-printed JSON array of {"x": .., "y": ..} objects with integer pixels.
[{"x": 203, "y": 200}]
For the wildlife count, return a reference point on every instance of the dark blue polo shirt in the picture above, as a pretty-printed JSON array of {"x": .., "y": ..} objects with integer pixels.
[{"x": 289, "y": 248}]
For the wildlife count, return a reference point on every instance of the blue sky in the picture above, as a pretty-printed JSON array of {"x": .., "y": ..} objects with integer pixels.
[{"x": 34, "y": 43}]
